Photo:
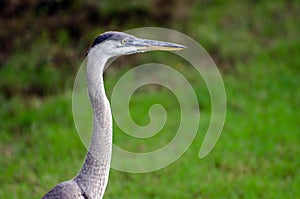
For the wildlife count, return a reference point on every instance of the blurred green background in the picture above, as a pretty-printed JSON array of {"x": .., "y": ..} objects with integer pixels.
[{"x": 255, "y": 44}]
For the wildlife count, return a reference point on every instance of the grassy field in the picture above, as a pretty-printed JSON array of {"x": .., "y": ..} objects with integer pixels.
[{"x": 257, "y": 48}]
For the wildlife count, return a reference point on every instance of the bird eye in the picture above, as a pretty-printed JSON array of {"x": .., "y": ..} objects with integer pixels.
[{"x": 124, "y": 41}]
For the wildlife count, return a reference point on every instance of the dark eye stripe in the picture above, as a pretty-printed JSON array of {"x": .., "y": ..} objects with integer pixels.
[{"x": 101, "y": 38}]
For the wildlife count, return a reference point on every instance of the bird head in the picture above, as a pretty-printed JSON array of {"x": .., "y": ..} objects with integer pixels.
[{"x": 114, "y": 44}]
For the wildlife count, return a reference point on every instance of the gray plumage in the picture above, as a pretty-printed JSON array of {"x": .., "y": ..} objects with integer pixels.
[
  {"x": 68, "y": 189},
  {"x": 91, "y": 180}
]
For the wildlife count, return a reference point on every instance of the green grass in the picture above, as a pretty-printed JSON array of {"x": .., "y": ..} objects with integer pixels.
[{"x": 255, "y": 157}]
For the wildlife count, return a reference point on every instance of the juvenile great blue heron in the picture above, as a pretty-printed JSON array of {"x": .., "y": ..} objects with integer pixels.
[{"x": 91, "y": 181}]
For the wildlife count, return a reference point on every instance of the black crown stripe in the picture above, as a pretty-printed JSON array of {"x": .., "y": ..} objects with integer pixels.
[{"x": 101, "y": 38}]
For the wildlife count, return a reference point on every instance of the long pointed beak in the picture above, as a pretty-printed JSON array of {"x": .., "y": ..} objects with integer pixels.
[{"x": 144, "y": 45}]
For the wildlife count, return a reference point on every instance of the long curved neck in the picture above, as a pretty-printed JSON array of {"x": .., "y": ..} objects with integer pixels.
[{"x": 93, "y": 176}]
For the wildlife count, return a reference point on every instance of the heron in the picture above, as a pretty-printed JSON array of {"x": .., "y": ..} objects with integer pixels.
[{"x": 91, "y": 180}]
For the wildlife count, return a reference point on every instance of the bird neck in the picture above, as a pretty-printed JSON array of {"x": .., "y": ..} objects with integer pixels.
[
  {"x": 101, "y": 141},
  {"x": 93, "y": 175}
]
